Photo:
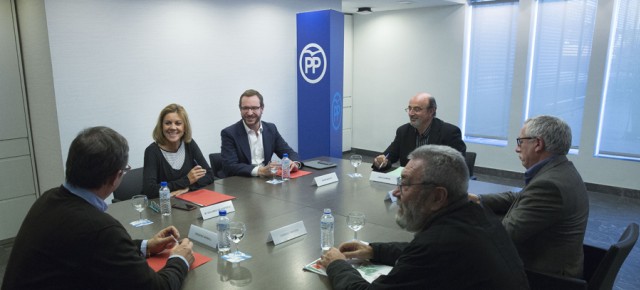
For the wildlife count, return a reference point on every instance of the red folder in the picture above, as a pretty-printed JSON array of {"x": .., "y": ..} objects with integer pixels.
[
  {"x": 296, "y": 174},
  {"x": 205, "y": 197},
  {"x": 158, "y": 261}
]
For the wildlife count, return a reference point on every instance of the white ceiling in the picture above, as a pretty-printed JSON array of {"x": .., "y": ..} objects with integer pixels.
[{"x": 351, "y": 6}]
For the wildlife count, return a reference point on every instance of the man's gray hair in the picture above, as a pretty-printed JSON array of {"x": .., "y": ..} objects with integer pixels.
[
  {"x": 445, "y": 167},
  {"x": 555, "y": 133}
]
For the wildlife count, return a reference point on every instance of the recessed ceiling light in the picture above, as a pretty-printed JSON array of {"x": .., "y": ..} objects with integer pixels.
[{"x": 405, "y": 2}]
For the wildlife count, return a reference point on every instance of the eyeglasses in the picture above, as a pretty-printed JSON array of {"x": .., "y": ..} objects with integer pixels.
[
  {"x": 521, "y": 139},
  {"x": 126, "y": 169},
  {"x": 247, "y": 109},
  {"x": 401, "y": 185},
  {"x": 415, "y": 109}
]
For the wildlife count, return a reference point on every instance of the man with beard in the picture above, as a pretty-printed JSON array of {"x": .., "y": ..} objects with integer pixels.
[
  {"x": 247, "y": 146},
  {"x": 423, "y": 128},
  {"x": 458, "y": 245},
  {"x": 547, "y": 219}
]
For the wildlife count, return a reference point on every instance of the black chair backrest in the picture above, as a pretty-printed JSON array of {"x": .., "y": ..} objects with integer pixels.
[
  {"x": 131, "y": 185},
  {"x": 470, "y": 158},
  {"x": 607, "y": 270},
  {"x": 215, "y": 159}
]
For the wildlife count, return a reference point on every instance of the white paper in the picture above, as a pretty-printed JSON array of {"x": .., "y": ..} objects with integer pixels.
[
  {"x": 367, "y": 270},
  {"x": 383, "y": 177},
  {"x": 390, "y": 196},
  {"x": 326, "y": 179},
  {"x": 212, "y": 210},
  {"x": 203, "y": 236},
  {"x": 286, "y": 233}
]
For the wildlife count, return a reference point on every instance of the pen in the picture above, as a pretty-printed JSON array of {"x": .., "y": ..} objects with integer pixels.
[{"x": 195, "y": 162}]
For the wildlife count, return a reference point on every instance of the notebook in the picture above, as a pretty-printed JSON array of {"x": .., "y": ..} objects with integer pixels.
[{"x": 319, "y": 164}]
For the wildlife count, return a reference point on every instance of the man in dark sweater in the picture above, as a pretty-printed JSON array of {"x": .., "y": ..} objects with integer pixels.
[
  {"x": 423, "y": 128},
  {"x": 458, "y": 244},
  {"x": 68, "y": 241}
]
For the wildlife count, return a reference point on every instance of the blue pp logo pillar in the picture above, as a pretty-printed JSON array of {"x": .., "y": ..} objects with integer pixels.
[{"x": 320, "y": 76}]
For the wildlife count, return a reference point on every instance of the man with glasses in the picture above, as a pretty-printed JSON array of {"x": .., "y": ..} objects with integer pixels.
[
  {"x": 247, "y": 146},
  {"x": 68, "y": 241},
  {"x": 423, "y": 128},
  {"x": 457, "y": 245},
  {"x": 548, "y": 217}
]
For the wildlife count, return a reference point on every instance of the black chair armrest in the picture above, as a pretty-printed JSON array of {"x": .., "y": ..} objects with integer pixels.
[{"x": 538, "y": 280}]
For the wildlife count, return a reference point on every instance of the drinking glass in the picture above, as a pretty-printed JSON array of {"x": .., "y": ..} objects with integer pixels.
[
  {"x": 140, "y": 202},
  {"x": 236, "y": 233},
  {"x": 355, "y": 161},
  {"x": 356, "y": 221},
  {"x": 273, "y": 169}
]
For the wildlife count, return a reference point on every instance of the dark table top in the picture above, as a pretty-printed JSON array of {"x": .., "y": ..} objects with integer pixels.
[{"x": 265, "y": 207}]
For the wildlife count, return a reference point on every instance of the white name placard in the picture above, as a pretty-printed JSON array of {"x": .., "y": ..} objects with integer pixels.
[
  {"x": 203, "y": 236},
  {"x": 212, "y": 210},
  {"x": 390, "y": 196},
  {"x": 383, "y": 177},
  {"x": 326, "y": 179},
  {"x": 286, "y": 233}
]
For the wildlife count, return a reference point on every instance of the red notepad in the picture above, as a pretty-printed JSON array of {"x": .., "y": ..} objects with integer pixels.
[
  {"x": 158, "y": 261},
  {"x": 205, "y": 197},
  {"x": 296, "y": 174}
]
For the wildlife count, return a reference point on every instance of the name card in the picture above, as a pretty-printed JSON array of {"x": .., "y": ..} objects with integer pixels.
[
  {"x": 383, "y": 177},
  {"x": 286, "y": 233},
  {"x": 326, "y": 179},
  {"x": 390, "y": 196},
  {"x": 212, "y": 210},
  {"x": 203, "y": 236}
]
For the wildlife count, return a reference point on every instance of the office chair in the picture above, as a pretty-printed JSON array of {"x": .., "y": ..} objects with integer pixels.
[
  {"x": 600, "y": 266},
  {"x": 215, "y": 159},
  {"x": 130, "y": 185},
  {"x": 470, "y": 158}
]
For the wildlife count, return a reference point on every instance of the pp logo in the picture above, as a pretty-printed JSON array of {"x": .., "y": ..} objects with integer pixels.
[
  {"x": 336, "y": 111},
  {"x": 312, "y": 63}
]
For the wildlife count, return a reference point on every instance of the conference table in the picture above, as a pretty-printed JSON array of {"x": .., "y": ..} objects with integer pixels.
[{"x": 264, "y": 207}]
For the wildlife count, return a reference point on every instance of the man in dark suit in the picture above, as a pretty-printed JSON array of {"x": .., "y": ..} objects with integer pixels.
[
  {"x": 423, "y": 128},
  {"x": 247, "y": 146},
  {"x": 457, "y": 245},
  {"x": 548, "y": 217},
  {"x": 68, "y": 241}
]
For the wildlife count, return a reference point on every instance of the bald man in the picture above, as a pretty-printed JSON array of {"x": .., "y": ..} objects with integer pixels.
[{"x": 423, "y": 128}]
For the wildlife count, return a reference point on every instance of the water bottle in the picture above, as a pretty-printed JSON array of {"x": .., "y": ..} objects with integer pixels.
[
  {"x": 165, "y": 199},
  {"x": 326, "y": 230},
  {"x": 224, "y": 244},
  {"x": 286, "y": 167}
]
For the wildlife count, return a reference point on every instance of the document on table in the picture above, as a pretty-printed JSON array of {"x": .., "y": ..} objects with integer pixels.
[
  {"x": 296, "y": 174},
  {"x": 205, "y": 197},
  {"x": 157, "y": 262},
  {"x": 397, "y": 172},
  {"x": 367, "y": 270}
]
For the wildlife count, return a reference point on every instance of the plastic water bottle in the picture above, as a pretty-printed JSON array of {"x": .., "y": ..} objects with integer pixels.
[
  {"x": 224, "y": 244},
  {"x": 326, "y": 230},
  {"x": 165, "y": 199},
  {"x": 286, "y": 167}
]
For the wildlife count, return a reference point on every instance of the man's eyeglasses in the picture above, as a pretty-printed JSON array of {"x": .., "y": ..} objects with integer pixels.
[
  {"x": 247, "y": 109},
  {"x": 126, "y": 169},
  {"x": 405, "y": 185},
  {"x": 521, "y": 139},
  {"x": 415, "y": 109}
]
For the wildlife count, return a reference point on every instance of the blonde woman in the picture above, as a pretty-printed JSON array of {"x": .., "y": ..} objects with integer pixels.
[{"x": 174, "y": 157}]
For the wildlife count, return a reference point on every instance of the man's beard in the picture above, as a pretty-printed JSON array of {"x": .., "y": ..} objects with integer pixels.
[
  {"x": 414, "y": 123},
  {"x": 412, "y": 218}
]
